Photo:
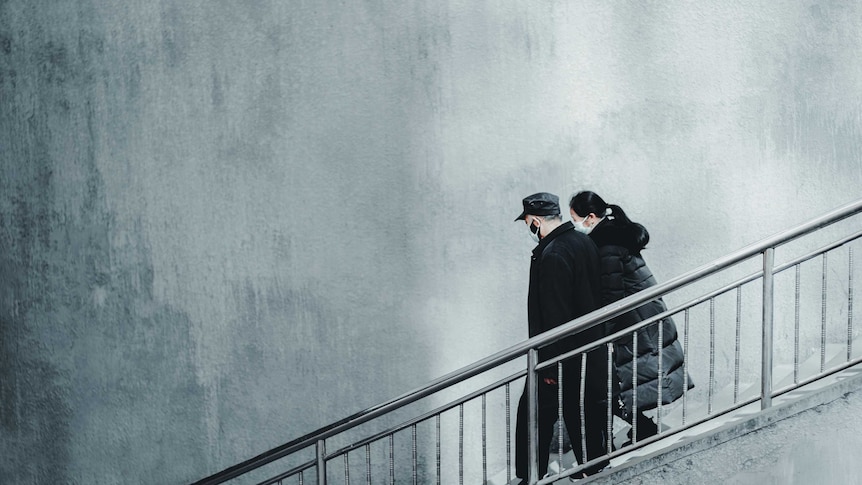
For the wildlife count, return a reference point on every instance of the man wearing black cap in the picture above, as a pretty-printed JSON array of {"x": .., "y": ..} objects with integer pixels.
[{"x": 564, "y": 285}]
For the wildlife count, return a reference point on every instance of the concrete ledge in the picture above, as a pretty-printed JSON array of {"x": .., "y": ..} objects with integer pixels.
[{"x": 655, "y": 456}]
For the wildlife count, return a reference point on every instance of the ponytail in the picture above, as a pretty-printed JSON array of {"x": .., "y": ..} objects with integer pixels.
[
  {"x": 586, "y": 202},
  {"x": 639, "y": 231}
]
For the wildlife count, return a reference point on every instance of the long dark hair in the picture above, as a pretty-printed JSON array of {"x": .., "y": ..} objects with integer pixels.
[{"x": 585, "y": 202}]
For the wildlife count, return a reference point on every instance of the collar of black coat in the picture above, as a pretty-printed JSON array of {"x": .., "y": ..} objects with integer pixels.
[
  {"x": 561, "y": 229},
  {"x": 610, "y": 232}
]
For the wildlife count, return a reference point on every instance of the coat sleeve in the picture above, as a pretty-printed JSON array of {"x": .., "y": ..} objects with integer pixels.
[
  {"x": 613, "y": 283},
  {"x": 556, "y": 302},
  {"x": 613, "y": 261}
]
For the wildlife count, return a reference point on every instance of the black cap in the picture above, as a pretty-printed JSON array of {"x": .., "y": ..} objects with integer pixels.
[{"x": 541, "y": 204}]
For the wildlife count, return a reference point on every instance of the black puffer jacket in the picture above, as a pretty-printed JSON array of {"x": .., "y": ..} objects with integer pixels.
[{"x": 624, "y": 273}]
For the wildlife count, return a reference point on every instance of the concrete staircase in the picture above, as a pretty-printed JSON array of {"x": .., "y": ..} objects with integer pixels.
[
  {"x": 736, "y": 424},
  {"x": 741, "y": 447}
]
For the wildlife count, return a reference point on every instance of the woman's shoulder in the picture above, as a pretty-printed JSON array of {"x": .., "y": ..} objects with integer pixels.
[
  {"x": 610, "y": 234},
  {"x": 613, "y": 250}
]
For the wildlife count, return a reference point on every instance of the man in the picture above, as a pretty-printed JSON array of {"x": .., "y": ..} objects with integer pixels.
[{"x": 564, "y": 284}]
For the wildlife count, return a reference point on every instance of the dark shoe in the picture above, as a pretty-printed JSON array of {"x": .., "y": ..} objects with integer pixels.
[
  {"x": 595, "y": 468},
  {"x": 646, "y": 427},
  {"x": 582, "y": 475}
]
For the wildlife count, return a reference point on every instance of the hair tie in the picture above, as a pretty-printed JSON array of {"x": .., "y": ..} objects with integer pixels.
[{"x": 608, "y": 211}]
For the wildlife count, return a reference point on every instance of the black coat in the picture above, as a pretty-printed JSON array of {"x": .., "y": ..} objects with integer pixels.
[
  {"x": 564, "y": 285},
  {"x": 624, "y": 273}
]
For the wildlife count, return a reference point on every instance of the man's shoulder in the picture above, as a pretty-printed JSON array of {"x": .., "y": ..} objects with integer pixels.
[
  {"x": 569, "y": 241},
  {"x": 574, "y": 237}
]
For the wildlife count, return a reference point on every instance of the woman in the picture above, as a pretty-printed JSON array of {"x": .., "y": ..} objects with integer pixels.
[{"x": 624, "y": 272}]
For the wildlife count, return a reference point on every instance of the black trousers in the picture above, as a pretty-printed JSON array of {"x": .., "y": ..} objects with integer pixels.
[{"x": 595, "y": 421}]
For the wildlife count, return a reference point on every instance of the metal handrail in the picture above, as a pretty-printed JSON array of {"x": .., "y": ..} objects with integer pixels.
[
  {"x": 520, "y": 349},
  {"x": 434, "y": 412},
  {"x": 670, "y": 312}
]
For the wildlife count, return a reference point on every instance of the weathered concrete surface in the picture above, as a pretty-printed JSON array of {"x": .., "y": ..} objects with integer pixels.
[{"x": 217, "y": 215}]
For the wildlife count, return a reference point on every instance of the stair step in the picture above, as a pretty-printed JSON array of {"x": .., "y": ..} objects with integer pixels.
[
  {"x": 782, "y": 375},
  {"x": 836, "y": 354}
]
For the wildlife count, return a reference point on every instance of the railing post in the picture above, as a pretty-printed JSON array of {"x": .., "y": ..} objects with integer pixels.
[
  {"x": 321, "y": 462},
  {"x": 768, "y": 294},
  {"x": 533, "y": 407}
]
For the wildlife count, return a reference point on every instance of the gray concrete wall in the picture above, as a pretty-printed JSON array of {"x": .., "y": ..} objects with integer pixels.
[{"x": 226, "y": 224}]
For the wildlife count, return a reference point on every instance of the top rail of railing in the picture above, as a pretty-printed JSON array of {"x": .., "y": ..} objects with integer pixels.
[{"x": 594, "y": 318}]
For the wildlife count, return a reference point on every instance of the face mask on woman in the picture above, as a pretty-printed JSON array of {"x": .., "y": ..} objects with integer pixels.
[{"x": 581, "y": 227}]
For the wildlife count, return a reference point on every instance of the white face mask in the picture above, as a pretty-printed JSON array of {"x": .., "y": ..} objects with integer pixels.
[{"x": 581, "y": 227}]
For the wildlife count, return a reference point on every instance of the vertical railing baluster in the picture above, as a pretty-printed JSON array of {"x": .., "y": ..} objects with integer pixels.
[
  {"x": 368, "y": 464},
  {"x": 346, "y": 469},
  {"x": 768, "y": 295},
  {"x": 823, "y": 316},
  {"x": 560, "y": 413},
  {"x": 685, "y": 368},
  {"x": 321, "y": 462},
  {"x": 849, "y": 303},
  {"x": 415, "y": 457},
  {"x": 300, "y": 478},
  {"x": 484, "y": 439},
  {"x": 660, "y": 374},
  {"x": 738, "y": 344},
  {"x": 610, "y": 415},
  {"x": 392, "y": 459},
  {"x": 634, "y": 407},
  {"x": 461, "y": 444},
  {"x": 796, "y": 327},
  {"x": 439, "y": 461},
  {"x": 508, "y": 435},
  {"x": 532, "y": 400},
  {"x": 581, "y": 404},
  {"x": 711, "y": 356}
]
